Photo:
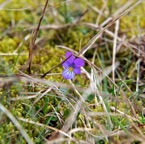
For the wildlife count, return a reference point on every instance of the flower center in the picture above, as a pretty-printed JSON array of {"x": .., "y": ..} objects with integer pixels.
[{"x": 71, "y": 69}]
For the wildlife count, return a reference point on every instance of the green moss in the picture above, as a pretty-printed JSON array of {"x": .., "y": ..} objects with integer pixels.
[
  {"x": 8, "y": 44},
  {"x": 53, "y": 108}
]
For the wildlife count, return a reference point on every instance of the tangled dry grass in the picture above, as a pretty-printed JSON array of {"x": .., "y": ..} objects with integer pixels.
[{"x": 105, "y": 104}]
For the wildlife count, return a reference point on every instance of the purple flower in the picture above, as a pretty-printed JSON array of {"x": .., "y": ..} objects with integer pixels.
[{"x": 72, "y": 66}]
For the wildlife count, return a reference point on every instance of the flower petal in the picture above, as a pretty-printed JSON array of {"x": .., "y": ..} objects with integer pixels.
[
  {"x": 71, "y": 57},
  {"x": 68, "y": 74},
  {"x": 79, "y": 62},
  {"x": 77, "y": 70},
  {"x": 68, "y": 54},
  {"x": 66, "y": 64}
]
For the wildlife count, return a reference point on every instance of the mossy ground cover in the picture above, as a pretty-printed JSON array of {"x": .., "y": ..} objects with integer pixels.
[{"x": 102, "y": 104}]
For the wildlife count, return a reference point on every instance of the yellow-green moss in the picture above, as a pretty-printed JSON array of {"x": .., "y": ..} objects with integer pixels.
[{"x": 47, "y": 55}]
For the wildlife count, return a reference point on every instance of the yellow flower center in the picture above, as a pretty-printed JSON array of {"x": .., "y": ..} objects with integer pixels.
[{"x": 71, "y": 69}]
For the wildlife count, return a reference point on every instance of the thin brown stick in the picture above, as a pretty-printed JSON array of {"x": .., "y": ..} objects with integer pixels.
[
  {"x": 55, "y": 67},
  {"x": 32, "y": 43}
]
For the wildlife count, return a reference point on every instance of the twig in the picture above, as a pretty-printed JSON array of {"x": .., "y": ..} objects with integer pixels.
[
  {"x": 54, "y": 67},
  {"x": 32, "y": 43}
]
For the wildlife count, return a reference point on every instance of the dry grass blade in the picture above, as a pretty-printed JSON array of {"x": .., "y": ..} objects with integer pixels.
[
  {"x": 118, "y": 12},
  {"x": 13, "y": 54},
  {"x": 17, "y": 124},
  {"x": 93, "y": 40},
  {"x": 114, "y": 49},
  {"x": 109, "y": 33},
  {"x": 122, "y": 113},
  {"x": 103, "y": 102},
  {"x": 48, "y": 127},
  {"x": 42, "y": 95},
  {"x": 104, "y": 73},
  {"x": 4, "y": 4},
  {"x": 72, "y": 117},
  {"x": 32, "y": 43},
  {"x": 60, "y": 26}
]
